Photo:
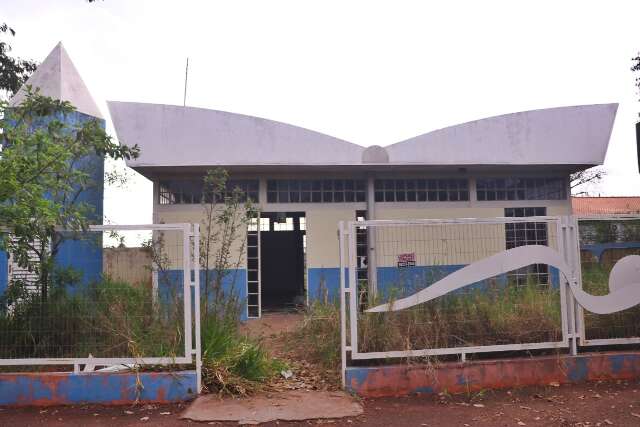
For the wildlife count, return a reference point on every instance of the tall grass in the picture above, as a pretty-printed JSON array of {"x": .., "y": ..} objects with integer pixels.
[
  {"x": 319, "y": 335},
  {"x": 494, "y": 315},
  {"x": 106, "y": 319},
  {"x": 623, "y": 324},
  {"x": 233, "y": 363},
  {"x": 115, "y": 319}
]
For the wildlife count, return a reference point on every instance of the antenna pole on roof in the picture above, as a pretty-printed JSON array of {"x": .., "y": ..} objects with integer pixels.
[{"x": 186, "y": 74}]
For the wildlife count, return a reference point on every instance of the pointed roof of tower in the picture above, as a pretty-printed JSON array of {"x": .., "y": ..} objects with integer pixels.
[{"x": 58, "y": 78}]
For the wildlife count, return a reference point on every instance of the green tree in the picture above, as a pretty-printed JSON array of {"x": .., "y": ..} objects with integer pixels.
[
  {"x": 45, "y": 167},
  {"x": 13, "y": 71}
]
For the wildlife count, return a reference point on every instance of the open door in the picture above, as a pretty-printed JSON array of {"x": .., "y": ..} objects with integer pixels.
[{"x": 281, "y": 261}]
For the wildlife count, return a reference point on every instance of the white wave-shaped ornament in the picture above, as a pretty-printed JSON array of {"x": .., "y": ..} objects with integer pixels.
[{"x": 624, "y": 280}]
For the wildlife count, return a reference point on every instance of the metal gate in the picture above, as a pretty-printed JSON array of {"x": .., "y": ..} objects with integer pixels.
[
  {"x": 172, "y": 305},
  {"x": 473, "y": 285}
]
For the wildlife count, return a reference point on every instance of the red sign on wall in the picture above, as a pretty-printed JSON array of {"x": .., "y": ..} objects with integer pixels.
[{"x": 407, "y": 260}]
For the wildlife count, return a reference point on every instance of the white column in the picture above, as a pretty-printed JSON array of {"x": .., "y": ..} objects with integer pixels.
[{"x": 371, "y": 239}]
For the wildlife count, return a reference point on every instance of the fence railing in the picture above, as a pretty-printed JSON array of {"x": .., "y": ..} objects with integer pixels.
[
  {"x": 462, "y": 286},
  {"x": 80, "y": 315},
  {"x": 604, "y": 242}
]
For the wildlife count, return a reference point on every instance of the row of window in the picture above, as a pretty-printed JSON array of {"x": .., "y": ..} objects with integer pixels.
[
  {"x": 521, "y": 189},
  {"x": 421, "y": 190},
  {"x": 193, "y": 191},
  {"x": 354, "y": 190},
  {"x": 315, "y": 190}
]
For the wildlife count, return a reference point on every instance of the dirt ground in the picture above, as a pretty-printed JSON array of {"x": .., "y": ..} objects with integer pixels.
[
  {"x": 275, "y": 330},
  {"x": 594, "y": 404}
]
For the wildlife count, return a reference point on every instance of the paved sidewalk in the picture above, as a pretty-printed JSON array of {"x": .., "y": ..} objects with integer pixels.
[{"x": 295, "y": 405}]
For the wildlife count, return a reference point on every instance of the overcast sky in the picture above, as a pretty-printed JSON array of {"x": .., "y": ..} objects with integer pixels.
[{"x": 365, "y": 71}]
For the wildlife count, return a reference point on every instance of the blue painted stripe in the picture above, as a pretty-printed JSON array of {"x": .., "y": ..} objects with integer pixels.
[
  {"x": 394, "y": 282},
  {"x": 4, "y": 272},
  {"x": 70, "y": 388},
  {"x": 234, "y": 284},
  {"x": 598, "y": 249}
]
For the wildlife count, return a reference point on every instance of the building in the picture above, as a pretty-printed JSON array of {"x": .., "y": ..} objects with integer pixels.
[
  {"x": 608, "y": 240},
  {"x": 305, "y": 182},
  {"x": 58, "y": 78},
  {"x": 594, "y": 206}
]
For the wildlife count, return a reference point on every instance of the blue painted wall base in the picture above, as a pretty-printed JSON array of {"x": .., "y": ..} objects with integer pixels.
[{"x": 62, "y": 388}]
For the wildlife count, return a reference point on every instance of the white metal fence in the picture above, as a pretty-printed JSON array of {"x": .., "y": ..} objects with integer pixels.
[
  {"x": 84, "y": 319},
  {"x": 605, "y": 241},
  {"x": 464, "y": 286}
]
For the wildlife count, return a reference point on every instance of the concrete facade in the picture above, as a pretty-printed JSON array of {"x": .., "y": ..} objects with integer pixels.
[{"x": 322, "y": 259}]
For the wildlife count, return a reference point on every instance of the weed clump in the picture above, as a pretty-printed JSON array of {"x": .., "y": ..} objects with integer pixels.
[
  {"x": 319, "y": 334},
  {"x": 623, "y": 324},
  {"x": 232, "y": 363}
]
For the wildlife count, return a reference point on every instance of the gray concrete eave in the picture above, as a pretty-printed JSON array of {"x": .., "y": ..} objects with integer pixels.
[
  {"x": 178, "y": 137},
  {"x": 170, "y": 135},
  {"x": 553, "y": 136}
]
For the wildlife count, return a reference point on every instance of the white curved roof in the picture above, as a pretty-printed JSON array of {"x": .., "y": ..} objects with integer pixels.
[
  {"x": 567, "y": 135},
  {"x": 171, "y": 136}
]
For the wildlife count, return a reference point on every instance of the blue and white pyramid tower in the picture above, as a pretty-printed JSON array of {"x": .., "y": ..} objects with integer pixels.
[{"x": 58, "y": 78}]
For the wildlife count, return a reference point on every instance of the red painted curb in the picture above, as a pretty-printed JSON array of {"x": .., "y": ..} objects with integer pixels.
[{"x": 399, "y": 380}]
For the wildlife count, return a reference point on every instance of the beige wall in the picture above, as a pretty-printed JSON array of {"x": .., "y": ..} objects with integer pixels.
[
  {"x": 447, "y": 244},
  {"x": 193, "y": 214},
  {"x": 130, "y": 265},
  {"x": 322, "y": 235},
  {"x": 433, "y": 245}
]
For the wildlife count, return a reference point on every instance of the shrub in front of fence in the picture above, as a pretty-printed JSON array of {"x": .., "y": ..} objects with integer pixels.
[{"x": 104, "y": 319}]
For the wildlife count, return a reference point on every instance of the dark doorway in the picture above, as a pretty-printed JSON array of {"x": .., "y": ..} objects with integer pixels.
[{"x": 282, "y": 259}]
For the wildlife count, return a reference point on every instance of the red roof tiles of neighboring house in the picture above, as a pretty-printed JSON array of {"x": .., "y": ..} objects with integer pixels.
[{"x": 605, "y": 205}]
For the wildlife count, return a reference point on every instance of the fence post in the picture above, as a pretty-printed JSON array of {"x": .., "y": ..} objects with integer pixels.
[
  {"x": 353, "y": 288},
  {"x": 567, "y": 300},
  {"x": 579, "y": 311},
  {"x": 572, "y": 258},
  {"x": 343, "y": 310},
  {"x": 186, "y": 286},
  {"x": 196, "y": 304}
]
